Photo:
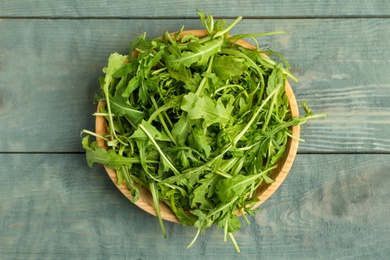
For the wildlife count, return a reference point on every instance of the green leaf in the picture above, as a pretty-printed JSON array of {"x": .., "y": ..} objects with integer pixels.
[
  {"x": 203, "y": 221},
  {"x": 133, "y": 84},
  {"x": 119, "y": 107},
  {"x": 197, "y": 54},
  {"x": 204, "y": 51},
  {"x": 276, "y": 79},
  {"x": 230, "y": 222},
  {"x": 190, "y": 82},
  {"x": 95, "y": 154},
  {"x": 125, "y": 170},
  {"x": 86, "y": 142},
  {"x": 234, "y": 223},
  {"x": 156, "y": 134},
  {"x": 184, "y": 218},
  {"x": 212, "y": 111},
  {"x": 199, "y": 141},
  {"x": 183, "y": 156},
  {"x": 223, "y": 208},
  {"x": 207, "y": 21},
  {"x": 201, "y": 192},
  {"x": 115, "y": 62},
  {"x": 188, "y": 38},
  {"x": 156, "y": 59},
  {"x": 125, "y": 70},
  {"x": 180, "y": 129},
  {"x": 227, "y": 189},
  {"x": 268, "y": 180},
  {"x": 143, "y": 94},
  {"x": 156, "y": 203},
  {"x": 227, "y": 67}
]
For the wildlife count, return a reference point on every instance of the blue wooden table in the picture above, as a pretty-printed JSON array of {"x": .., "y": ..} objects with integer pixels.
[{"x": 334, "y": 204}]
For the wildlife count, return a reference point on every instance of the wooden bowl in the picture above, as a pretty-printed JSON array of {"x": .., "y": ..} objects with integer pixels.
[{"x": 265, "y": 191}]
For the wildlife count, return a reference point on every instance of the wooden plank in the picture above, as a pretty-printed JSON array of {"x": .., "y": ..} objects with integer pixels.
[
  {"x": 50, "y": 68},
  {"x": 177, "y": 8},
  {"x": 330, "y": 206}
]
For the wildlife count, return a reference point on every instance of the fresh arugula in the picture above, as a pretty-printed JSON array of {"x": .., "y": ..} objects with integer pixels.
[{"x": 201, "y": 123}]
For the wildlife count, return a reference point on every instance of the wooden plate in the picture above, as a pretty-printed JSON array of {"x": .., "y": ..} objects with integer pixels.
[{"x": 265, "y": 191}]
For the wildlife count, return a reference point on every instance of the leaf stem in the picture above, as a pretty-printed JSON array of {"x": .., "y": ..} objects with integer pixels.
[
  {"x": 154, "y": 72},
  {"x": 241, "y": 134},
  {"x": 241, "y": 36},
  {"x": 223, "y": 174},
  {"x": 244, "y": 216},
  {"x": 110, "y": 115},
  {"x": 174, "y": 187},
  {"x": 194, "y": 240},
  {"x": 220, "y": 33},
  {"x": 232, "y": 51},
  {"x": 204, "y": 80},
  {"x": 295, "y": 121},
  {"x": 228, "y": 86},
  {"x": 101, "y": 114},
  {"x": 171, "y": 166},
  {"x": 224, "y": 206},
  {"x": 234, "y": 243},
  {"x": 226, "y": 230},
  {"x": 158, "y": 110},
  {"x": 169, "y": 38},
  {"x": 156, "y": 203},
  {"x": 95, "y": 134},
  {"x": 271, "y": 108},
  {"x": 285, "y": 71},
  {"x": 162, "y": 120}
]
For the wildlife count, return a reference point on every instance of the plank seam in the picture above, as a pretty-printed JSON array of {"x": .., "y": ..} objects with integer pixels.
[{"x": 193, "y": 17}]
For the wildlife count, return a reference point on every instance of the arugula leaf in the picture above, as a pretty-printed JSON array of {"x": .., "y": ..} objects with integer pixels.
[
  {"x": 190, "y": 81},
  {"x": 116, "y": 62},
  {"x": 204, "y": 51},
  {"x": 156, "y": 203},
  {"x": 227, "y": 189},
  {"x": 199, "y": 141},
  {"x": 207, "y": 21},
  {"x": 197, "y": 54},
  {"x": 204, "y": 107},
  {"x": 156, "y": 134},
  {"x": 203, "y": 221},
  {"x": 227, "y": 67},
  {"x": 202, "y": 191},
  {"x": 133, "y": 84},
  {"x": 119, "y": 107},
  {"x": 181, "y": 129},
  {"x": 95, "y": 154}
]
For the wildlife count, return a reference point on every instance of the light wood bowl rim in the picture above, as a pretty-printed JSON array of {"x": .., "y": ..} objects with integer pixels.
[{"x": 145, "y": 201}]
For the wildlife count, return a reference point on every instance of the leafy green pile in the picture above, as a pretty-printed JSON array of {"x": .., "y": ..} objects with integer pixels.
[{"x": 200, "y": 122}]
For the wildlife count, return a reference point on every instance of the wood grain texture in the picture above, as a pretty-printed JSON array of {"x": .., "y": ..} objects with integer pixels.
[
  {"x": 329, "y": 207},
  {"x": 49, "y": 74},
  {"x": 177, "y": 8}
]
